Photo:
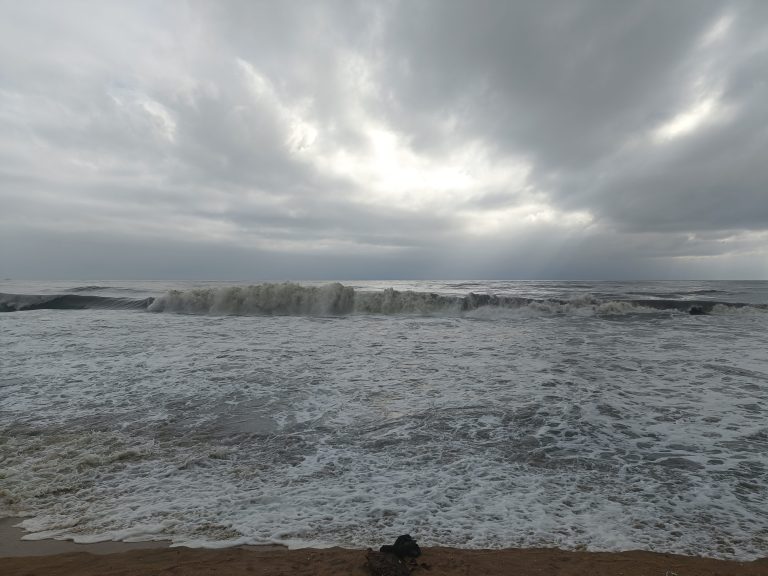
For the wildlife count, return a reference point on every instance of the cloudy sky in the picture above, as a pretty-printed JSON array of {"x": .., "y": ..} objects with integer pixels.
[{"x": 390, "y": 139}]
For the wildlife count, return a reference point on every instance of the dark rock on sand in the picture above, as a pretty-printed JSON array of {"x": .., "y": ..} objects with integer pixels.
[
  {"x": 394, "y": 560},
  {"x": 404, "y": 547}
]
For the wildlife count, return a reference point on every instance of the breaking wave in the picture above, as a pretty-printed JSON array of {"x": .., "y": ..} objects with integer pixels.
[
  {"x": 337, "y": 300},
  {"x": 289, "y": 299}
]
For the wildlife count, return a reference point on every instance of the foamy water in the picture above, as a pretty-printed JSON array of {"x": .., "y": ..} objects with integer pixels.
[{"x": 597, "y": 415}]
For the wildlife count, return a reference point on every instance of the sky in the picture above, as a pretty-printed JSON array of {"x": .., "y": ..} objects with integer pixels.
[{"x": 556, "y": 139}]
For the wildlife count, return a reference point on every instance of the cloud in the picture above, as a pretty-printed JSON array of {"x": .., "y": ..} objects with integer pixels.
[{"x": 345, "y": 139}]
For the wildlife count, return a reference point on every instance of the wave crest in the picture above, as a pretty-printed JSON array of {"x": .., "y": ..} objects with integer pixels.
[
  {"x": 26, "y": 302},
  {"x": 263, "y": 299},
  {"x": 289, "y": 299}
]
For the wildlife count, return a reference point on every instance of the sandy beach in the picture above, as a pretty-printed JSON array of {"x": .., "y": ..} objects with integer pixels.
[
  {"x": 336, "y": 561},
  {"x": 64, "y": 558}
]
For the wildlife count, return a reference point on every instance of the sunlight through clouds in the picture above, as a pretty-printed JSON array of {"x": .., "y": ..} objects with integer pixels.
[
  {"x": 719, "y": 29},
  {"x": 388, "y": 171},
  {"x": 299, "y": 133},
  {"x": 392, "y": 173},
  {"x": 687, "y": 121}
]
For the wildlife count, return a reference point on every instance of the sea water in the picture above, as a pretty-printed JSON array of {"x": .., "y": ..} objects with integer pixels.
[{"x": 594, "y": 415}]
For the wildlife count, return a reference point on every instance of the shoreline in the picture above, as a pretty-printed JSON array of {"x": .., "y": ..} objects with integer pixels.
[
  {"x": 12, "y": 545},
  {"x": 64, "y": 557}
]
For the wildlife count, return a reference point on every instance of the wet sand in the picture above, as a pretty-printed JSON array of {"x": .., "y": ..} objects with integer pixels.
[
  {"x": 337, "y": 561},
  {"x": 64, "y": 558},
  {"x": 11, "y": 544}
]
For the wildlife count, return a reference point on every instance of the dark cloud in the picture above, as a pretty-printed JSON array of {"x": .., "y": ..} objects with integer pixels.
[{"x": 397, "y": 139}]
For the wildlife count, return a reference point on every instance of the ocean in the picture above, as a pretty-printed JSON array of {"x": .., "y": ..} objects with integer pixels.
[{"x": 587, "y": 415}]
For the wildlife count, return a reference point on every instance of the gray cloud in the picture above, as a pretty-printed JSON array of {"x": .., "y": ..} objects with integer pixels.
[{"x": 397, "y": 139}]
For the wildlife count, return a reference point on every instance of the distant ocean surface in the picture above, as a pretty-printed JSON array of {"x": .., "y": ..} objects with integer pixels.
[{"x": 597, "y": 415}]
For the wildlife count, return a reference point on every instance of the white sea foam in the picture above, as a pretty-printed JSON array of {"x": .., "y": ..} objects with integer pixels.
[{"x": 575, "y": 425}]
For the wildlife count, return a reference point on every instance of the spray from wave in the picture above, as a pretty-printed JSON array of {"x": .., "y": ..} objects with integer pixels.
[
  {"x": 335, "y": 299},
  {"x": 291, "y": 299}
]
